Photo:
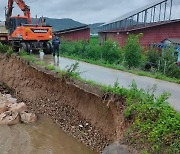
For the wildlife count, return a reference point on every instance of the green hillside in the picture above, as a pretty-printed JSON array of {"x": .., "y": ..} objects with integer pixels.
[
  {"x": 66, "y": 23},
  {"x": 94, "y": 27},
  {"x": 61, "y": 24}
]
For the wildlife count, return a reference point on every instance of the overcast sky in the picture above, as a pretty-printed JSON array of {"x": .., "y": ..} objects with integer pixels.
[{"x": 85, "y": 11}]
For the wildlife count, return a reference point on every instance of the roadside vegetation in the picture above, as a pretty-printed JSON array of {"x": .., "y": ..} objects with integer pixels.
[
  {"x": 154, "y": 124},
  {"x": 5, "y": 49},
  {"x": 131, "y": 58}
]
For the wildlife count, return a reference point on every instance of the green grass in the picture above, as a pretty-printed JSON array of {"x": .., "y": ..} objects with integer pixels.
[
  {"x": 27, "y": 57},
  {"x": 4, "y": 48},
  {"x": 112, "y": 56},
  {"x": 41, "y": 63},
  {"x": 154, "y": 124},
  {"x": 122, "y": 68},
  {"x": 50, "y": 67},
  {"x": 94, "y": 40}
]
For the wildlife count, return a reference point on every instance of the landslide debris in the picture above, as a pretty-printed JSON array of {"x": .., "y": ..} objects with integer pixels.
[{"x": 12, "y": 112}]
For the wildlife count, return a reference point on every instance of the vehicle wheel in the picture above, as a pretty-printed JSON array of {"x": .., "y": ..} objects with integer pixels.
[
  {"x": 28, "y": 48},
  {"x": 15, "y": 49},
  {"x": 23, "y": 47},
  {"x": 47, "y": 48}
]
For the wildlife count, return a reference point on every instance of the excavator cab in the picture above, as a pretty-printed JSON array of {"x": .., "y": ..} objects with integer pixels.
[
  {"x": 23, "y": 35},
  {"x": 16, "y": 21}
]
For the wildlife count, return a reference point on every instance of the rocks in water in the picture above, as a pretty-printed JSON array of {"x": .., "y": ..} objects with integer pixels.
[
  {"x": 12, "y": 113},
  {"x": 28, "y": 117},
  {"x": 9, "y": 118}
]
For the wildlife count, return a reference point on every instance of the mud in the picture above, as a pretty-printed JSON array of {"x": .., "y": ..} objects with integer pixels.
[{"x": 84, "y": 112}]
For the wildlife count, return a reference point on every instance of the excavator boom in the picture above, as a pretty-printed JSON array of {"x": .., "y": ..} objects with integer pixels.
[
  {"x": 21, "y": 4},
  {"x": 22, "y": 34}
]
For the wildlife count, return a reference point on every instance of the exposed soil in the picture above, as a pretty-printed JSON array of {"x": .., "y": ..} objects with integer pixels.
[{"x": 81, "y": 110}]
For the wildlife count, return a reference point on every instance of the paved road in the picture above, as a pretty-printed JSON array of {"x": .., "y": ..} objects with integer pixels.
[{"x": 109, "y": 76}]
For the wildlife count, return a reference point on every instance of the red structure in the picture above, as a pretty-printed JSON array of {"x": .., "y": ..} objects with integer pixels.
[
  {"x": 75, "y": 34},
  {"x": 151, "y": 34},
  {"x": 154, "y": 21}
]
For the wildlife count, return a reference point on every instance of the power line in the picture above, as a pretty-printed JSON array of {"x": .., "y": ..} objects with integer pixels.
[{"x": 30, "y": 1}]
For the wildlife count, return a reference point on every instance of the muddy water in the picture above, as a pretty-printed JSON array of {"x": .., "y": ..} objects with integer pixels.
[{"x": 43, "y": 137}]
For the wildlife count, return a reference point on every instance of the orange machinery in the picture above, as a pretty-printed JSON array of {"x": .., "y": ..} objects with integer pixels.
[{"x": 23, "y": 34}]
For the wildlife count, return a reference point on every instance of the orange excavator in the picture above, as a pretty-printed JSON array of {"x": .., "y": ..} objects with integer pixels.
[{"x": 22, "y": 34}]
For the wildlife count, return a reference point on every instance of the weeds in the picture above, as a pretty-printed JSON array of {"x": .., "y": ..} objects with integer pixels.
[
  {"x": 73, "y": 69},
  {"x": 41, "y": 63},
  {"x": 50, "y": 67},
  {"x": 3, "y": 48},
  {"x": 155, "y": 124},
  {"x": 27, "y": 57},
  {"x": 9, "y": 51},
  {"x": 109, "y": 52},
  {"x": 111, "y": 55}
]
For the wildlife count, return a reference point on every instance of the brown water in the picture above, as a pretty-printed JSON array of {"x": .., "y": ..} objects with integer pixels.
[{"x": 42, "y": 137}]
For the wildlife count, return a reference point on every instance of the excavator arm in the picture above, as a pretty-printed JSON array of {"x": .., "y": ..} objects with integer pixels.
[
  {"x": 22, "y": 6},
  {"x": 22, "y": 34}
]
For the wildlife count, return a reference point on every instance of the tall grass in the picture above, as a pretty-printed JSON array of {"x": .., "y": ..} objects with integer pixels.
[
  {"x": 131, "y": 58},
  {"x": 155, "y": 125}
]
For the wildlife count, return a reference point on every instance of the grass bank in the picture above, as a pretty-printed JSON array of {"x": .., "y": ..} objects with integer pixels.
[
  {"x": 124, "y": 69},
  {"x": 155, "y": 125}
]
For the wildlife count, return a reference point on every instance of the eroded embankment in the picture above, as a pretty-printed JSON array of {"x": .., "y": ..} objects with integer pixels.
[{"x": 91, "y": 117}]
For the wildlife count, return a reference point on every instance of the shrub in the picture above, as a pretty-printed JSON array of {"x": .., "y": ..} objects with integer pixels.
[
  {"x": 108, "y": 52},
  {"x": 153, "y": 55},
  {"x": 168, "y": 64},
  {"x": 3, "y": 48},
  {"x": 173, "y": 70},
  {"x": 132, "y": 51},
  {"x": 93, "y": 51},
  {"x": 67, "y": 47},
  {"x": 111, "y": 52}
]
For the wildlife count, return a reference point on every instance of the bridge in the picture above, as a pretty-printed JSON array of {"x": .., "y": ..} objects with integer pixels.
[{"x": 155, "y": 13}]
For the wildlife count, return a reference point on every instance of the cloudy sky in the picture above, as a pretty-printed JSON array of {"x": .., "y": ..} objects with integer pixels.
[{"x": 85, "y": 11}]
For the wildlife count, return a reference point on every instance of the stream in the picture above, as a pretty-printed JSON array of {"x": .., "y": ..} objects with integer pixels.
[{"x": 42, "y": 137}]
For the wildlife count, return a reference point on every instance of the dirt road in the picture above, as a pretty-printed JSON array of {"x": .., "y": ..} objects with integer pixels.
[{"x": 110, "y": 76}]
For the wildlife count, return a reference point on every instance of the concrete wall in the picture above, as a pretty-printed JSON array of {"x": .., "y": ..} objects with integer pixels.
[
  {"x": 150, "y": 35},
  {"x": 83, "y": 34}
]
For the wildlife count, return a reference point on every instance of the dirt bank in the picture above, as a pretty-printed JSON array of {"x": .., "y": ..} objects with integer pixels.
[{"x": 89, "y": 116}]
